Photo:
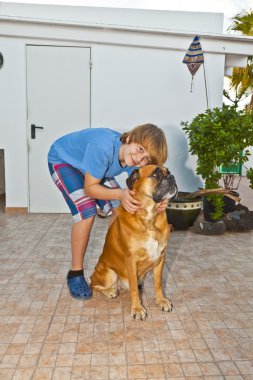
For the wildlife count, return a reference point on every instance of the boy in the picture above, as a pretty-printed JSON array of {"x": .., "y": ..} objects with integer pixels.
[{"x": 83, "y": 165}]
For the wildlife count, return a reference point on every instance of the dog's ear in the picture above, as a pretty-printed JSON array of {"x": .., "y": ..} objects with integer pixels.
[{"x": 132, "y": 178}]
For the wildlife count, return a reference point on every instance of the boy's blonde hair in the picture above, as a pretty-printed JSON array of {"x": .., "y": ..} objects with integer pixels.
[{"x": 152, "y": 139}]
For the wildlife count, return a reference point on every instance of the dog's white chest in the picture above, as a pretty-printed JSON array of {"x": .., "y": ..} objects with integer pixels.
[{"x": 154, "y": 248}]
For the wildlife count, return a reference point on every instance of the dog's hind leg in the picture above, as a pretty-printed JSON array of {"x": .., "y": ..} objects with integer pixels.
[{"x": 105, "y": 280}]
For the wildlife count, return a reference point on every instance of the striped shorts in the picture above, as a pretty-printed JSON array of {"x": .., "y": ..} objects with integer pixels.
[{"x": 70, "y": 182}]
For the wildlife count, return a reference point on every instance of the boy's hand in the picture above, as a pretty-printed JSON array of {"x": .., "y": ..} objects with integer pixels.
[
  {"x": 163, "y": 205},
  {"x": 128, "y": 202}
]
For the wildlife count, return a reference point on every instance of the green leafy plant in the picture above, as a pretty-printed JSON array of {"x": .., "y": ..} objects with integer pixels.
[
  {"x": 250, "y": 177},
  {"x": 241, "y": 80},
  {"x": 218, "y": 137}
]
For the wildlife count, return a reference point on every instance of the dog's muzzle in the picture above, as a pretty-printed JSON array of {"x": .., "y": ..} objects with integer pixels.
[{"x": 166, "y": 188}]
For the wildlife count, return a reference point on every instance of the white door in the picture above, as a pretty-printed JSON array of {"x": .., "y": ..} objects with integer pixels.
[{"x": 58, "y": 97}]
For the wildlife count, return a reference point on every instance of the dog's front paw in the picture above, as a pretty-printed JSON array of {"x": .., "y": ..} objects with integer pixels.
[
  {"x": 138, "y": 312},
  {"x": 164, "y": 304}
]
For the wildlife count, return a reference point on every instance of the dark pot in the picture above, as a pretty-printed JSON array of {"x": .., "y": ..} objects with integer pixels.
[
  {"x": 182, "y": 212},
  {"x": 208, "y": 207}
]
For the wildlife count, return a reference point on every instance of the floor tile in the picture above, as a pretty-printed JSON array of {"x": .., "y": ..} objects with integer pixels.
[{"x": 46, "y": 334}]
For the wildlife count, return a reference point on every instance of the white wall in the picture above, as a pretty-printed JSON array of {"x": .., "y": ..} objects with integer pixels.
[
  {"x": 2, "y": 177},
  {"x": 129, "y": 86},
  {"x": 13, "y": 121},
  {"x": 132, "y": 86},
  {"x": 195, "y": 22}
]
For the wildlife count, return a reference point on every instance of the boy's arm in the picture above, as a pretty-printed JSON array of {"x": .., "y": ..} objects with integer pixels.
[{"x": 94, "y": 189}]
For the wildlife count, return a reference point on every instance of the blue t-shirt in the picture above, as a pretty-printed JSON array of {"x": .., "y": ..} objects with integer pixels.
[{"x": 92, "y": 150}]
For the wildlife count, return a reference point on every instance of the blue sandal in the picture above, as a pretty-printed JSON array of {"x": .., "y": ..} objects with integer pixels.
[{"x": 79, "y": 288}]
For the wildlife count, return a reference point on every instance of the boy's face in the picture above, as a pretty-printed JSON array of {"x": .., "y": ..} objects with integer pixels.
[{"x": 135, "y": 154}]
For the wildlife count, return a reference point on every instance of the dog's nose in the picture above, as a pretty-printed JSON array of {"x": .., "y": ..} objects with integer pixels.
[{"x": 171, "y": 177}]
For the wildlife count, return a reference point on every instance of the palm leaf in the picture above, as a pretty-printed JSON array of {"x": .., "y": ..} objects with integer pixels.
[
  {"x": 242, "y": 78},
  {"x": 243, "y": 23}
]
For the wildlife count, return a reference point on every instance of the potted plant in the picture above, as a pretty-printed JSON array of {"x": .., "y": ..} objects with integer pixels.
[{"x": 219, "y": 137}]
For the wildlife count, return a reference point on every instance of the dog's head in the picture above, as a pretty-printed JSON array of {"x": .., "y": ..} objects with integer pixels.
[{"x": 154, "y": 181}]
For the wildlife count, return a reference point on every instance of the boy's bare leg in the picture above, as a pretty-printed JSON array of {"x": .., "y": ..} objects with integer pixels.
[{"x": 80, "y": 235}]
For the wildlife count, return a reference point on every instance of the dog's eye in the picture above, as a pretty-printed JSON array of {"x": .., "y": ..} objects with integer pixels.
[{"x": 155, "y": 175}]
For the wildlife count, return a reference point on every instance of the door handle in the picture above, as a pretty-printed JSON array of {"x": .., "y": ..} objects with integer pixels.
[{"x": 33, "y": 129}]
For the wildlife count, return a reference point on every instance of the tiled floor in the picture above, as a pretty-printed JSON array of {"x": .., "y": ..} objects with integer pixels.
[{"x": 46, "y": 334}]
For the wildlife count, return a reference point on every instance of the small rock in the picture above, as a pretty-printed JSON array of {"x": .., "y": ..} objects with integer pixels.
[{"x": 209, "y": 228}]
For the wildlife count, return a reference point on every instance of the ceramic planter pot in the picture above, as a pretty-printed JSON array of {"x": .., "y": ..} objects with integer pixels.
[{"x": 182, "y": 211}]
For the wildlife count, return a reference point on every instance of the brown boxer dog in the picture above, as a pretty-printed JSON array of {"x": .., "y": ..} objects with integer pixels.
[{"x": 136, "y": 243}]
